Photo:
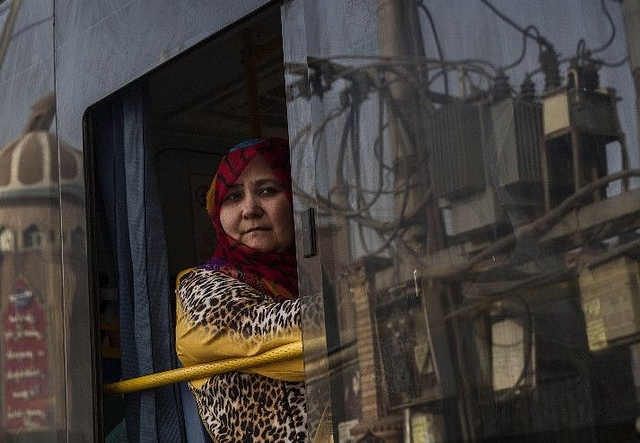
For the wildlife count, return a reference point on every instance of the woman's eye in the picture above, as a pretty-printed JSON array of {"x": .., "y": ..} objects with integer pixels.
[
  {"x": 232, "y": 197},
  {"x": 268, "y": 191}
]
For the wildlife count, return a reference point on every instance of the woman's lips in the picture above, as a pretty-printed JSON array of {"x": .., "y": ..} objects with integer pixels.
[{"x": 259, "y": 228}]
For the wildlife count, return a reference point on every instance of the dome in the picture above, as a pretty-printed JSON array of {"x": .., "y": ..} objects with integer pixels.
[{"x": 30, "y": 167}]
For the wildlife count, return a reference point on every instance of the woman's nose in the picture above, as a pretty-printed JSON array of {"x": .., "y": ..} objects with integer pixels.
[{"x": 251, "y": 207}]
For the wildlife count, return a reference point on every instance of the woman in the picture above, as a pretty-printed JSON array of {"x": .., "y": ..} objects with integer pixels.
[{"x": 244, "y": 301}]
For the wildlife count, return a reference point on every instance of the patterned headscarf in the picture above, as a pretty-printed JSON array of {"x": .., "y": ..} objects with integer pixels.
[{"x": 270, "y": 272}]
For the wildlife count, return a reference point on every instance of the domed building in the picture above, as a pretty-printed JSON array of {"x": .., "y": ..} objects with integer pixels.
[
  {"x": 32, "y": 174},
  {"x": 41, "y": 190}
]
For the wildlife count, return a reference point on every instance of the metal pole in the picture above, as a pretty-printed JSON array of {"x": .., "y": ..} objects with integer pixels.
[
  {"x": 631, "y": 14},
  {"x": 400, "y": 38}
]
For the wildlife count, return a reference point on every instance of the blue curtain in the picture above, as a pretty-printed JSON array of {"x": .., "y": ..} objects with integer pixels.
[{"x": 127, "y": 189}]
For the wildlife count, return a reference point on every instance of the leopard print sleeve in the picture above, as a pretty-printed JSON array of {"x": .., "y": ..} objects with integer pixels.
[{"x": 219, "y": 317}]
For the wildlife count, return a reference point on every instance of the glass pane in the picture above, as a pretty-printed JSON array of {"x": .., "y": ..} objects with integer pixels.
[
  {"x": 310, "y": 273},
  {"x": 475, "y": 194},
  {"x": 35, "y": 167}
]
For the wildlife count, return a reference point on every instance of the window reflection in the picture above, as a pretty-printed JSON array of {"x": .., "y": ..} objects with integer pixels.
[
  {"x": 476, "y": 187},
  {"x": 36, "y": 169},
  {"x": 7, "y": 239},
  {"x": 32, "y": 238}
]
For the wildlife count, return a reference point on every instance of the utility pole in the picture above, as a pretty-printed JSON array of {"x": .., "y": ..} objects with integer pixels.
[
  {"x": 631, "y": 14},
  {"x": 400, "y": 38}
]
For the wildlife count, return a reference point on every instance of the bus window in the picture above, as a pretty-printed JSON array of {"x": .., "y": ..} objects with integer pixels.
[{"x": 153, "y": 148}]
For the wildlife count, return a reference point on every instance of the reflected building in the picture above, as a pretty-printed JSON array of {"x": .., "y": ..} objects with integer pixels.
[{"x": 40, "y": 176}]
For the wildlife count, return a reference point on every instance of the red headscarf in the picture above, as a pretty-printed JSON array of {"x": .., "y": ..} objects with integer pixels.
[{"x": 275, "y": 273}]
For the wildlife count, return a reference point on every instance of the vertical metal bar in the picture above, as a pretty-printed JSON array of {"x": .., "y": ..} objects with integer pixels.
[{"x": 631, "y": 14}]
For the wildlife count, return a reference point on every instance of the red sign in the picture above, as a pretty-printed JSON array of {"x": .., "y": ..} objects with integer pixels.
[{"x": 27, "y": 402}]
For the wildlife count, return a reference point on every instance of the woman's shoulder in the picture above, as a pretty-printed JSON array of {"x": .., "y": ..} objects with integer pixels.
[
  {"x": 208, "y": 283},
  {"x": 204, "y": 273},
  {"x": 207, "y": 280},
  {"x": 210, "y": 297},
  {"x": 202, "y": 291}
]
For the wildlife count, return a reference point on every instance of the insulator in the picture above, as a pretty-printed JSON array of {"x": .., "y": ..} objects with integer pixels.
[
  {"x": 549, "y": 62},
  {"x": 527, "y": 89},
  {"x": 501, "y": 89},
  {"x": 590, "y": 77},
  {"x": 584, "y": 78}
]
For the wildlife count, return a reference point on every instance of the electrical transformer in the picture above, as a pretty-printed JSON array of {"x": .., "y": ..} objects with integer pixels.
[
  {"x": 455, "y": 142},
  {"x": 580, "y": 119},
  {"x": 485, "y": 164}
]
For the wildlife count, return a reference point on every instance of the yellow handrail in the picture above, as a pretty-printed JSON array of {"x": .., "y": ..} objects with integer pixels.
[{"x": 204, "y": 370}]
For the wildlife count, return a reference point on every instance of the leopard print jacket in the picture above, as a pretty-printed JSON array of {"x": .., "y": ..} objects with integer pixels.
[{"x": 238, "y": 406}]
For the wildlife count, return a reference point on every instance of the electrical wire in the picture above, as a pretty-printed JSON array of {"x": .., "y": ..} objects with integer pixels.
[
  {"x": 358, "y": 200},
  {"x": 525, "y": 31},
  {"x": 362, "y": 83},
  {"x": 436, "y": 39},
  {"x": 524, "y": 48},
  {"x": 612, "y": 37}
]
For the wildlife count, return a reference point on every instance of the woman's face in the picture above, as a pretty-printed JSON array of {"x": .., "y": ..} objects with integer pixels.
[{"x": 256, "y": 212}]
